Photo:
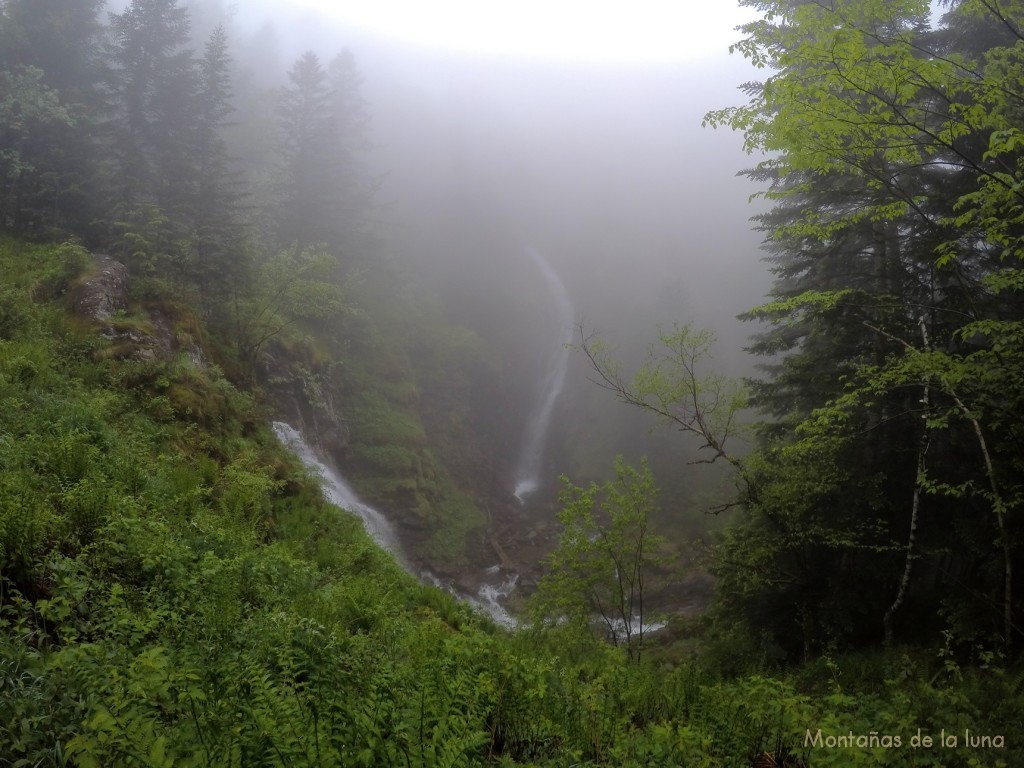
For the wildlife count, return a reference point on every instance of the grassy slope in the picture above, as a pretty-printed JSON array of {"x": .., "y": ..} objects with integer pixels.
[
  {"x": 413, "y": 386},
  {"x": 173, "y": 591}
]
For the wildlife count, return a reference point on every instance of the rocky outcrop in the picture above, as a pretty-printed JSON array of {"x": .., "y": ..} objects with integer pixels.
[
  {"x": 156, "y": 342},
  {"x": 103, "y": 295},
  {"x": 303, "y": 395},
  {"x": 328, "y": 427}
]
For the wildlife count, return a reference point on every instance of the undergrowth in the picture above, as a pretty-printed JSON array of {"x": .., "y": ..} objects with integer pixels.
[{"x": 175, "y": 592}]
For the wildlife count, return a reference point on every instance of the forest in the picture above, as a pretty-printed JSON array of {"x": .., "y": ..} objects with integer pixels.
[{"x": 814, "y": 563}]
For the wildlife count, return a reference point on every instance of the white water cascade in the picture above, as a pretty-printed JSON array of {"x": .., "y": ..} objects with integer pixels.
[
  {"x": 554, "y": 364},
  {"x": 338, "y": 493}
]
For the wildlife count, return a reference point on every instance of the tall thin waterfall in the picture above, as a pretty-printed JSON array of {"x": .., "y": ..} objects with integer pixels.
[{"x": 554, "y": 364}]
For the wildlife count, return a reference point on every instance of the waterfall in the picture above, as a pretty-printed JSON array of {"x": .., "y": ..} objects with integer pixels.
[
  {"x": 554, "y": 364},
  {"x": 338, "y": 493},
  {"x": 488, "y": 598}
]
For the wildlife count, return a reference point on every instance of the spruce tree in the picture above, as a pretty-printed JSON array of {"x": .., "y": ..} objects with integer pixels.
[
  {"x": 153, "y": 86},
  {"x": 217, "y": 236},
  {"x": 308, "y": 194},
  {"x": 350, "y": 116},
  {"x": 325, "y": 189},
  {"x": 51, "y": 53},
  {"x": 894, "y": 236}
]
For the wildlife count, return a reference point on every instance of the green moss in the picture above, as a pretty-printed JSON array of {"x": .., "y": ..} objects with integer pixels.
[
  {"x": 460, "y": 518},
  {"x": 375, "y": 420}
]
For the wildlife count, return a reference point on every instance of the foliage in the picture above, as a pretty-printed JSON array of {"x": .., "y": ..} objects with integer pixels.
[
  {"x": 396, "y": 453},
  {"x": 672, "y": 385},
  {"x": 28, "y": 107},
  {"x": 323, "y": 191},
  {"x": 292, "y": 286},
  {"x": 49, "y": 55},
  {"x": 178, "y": 594},
  {"x": 887, "y": 483},
  {"x": 152, "y": 81},
  {"x": 174, "y": 591},
  {"x": 602, "y": 566}
]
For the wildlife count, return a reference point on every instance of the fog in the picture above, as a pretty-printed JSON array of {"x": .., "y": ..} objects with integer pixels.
[
  {"x": 608, "y": 170},
  {"x": 603, "y": 166},
  {"x": 598, "y": 161}
]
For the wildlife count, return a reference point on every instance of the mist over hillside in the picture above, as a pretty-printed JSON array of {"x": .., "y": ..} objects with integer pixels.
[
  {"x": 604, "y": 167},
  {"x": 607, "y": 168},
  {"x": 372, "y": 390},
  {"x": 604, "y": 164}
]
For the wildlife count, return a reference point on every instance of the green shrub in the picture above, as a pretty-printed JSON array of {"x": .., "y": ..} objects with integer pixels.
[{"x": 15, "y": 314}]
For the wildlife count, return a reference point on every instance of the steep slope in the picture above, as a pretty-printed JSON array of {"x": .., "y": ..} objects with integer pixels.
[{"x": 175, "y": 591}]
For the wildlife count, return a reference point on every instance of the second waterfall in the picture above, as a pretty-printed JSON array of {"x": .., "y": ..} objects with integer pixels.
[{"x": 554, "y": 364}]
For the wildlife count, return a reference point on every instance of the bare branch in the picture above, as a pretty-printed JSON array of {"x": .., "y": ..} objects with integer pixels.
[{"x": 669, "y": 387}]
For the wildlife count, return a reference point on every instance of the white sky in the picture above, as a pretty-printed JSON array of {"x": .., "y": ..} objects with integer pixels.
[{"x": 582, "y": 30}]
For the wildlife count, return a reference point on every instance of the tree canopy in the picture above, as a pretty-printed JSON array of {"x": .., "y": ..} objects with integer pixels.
[{"x": 892, "y": 158}]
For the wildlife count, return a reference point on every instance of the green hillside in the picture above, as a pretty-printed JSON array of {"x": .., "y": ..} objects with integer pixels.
[
  {"x": 192, "y": 247},
  {"x": 176, "y": 592}
]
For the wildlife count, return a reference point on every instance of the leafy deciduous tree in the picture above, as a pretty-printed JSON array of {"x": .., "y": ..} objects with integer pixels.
[
  {"x": 895, "y": 165},
  {"x": 601, "y": 567}
]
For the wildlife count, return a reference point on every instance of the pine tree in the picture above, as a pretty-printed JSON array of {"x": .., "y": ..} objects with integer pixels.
[
  {"x": 55, "y": 45},
  {"x": 217, "y": 232},
  {"x": 893, "y": 175},
  {"x": 153, "y": 86}
]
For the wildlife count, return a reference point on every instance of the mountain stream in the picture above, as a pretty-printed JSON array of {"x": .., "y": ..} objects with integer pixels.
[{"x": 494, "y": 586}]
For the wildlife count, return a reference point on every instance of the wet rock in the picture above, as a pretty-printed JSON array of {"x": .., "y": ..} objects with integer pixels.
[
  {"x": 161, "y": 340},
  {"x": 103, "y": 298},
  {"x": 196, "y": 356},
  {"x": 147, "y": 341},
  {"x": 329, "y": 427},
  {"x": 467, "y": 584},
  {"x": 305, "y": 399},
  {"x": 104, "y": 294}
]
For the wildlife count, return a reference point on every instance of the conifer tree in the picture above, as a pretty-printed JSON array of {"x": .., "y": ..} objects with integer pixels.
[
  {"x": 895, "y": 234},
  {"x": 153, "y": 86},
  {"x": 217, "y": 234},
  {"x": 351, "y": 120},
  {"x": 308, "y": 162},
  {"x": 325, "y": 189},
  {"x": 50, "y": 52}
]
